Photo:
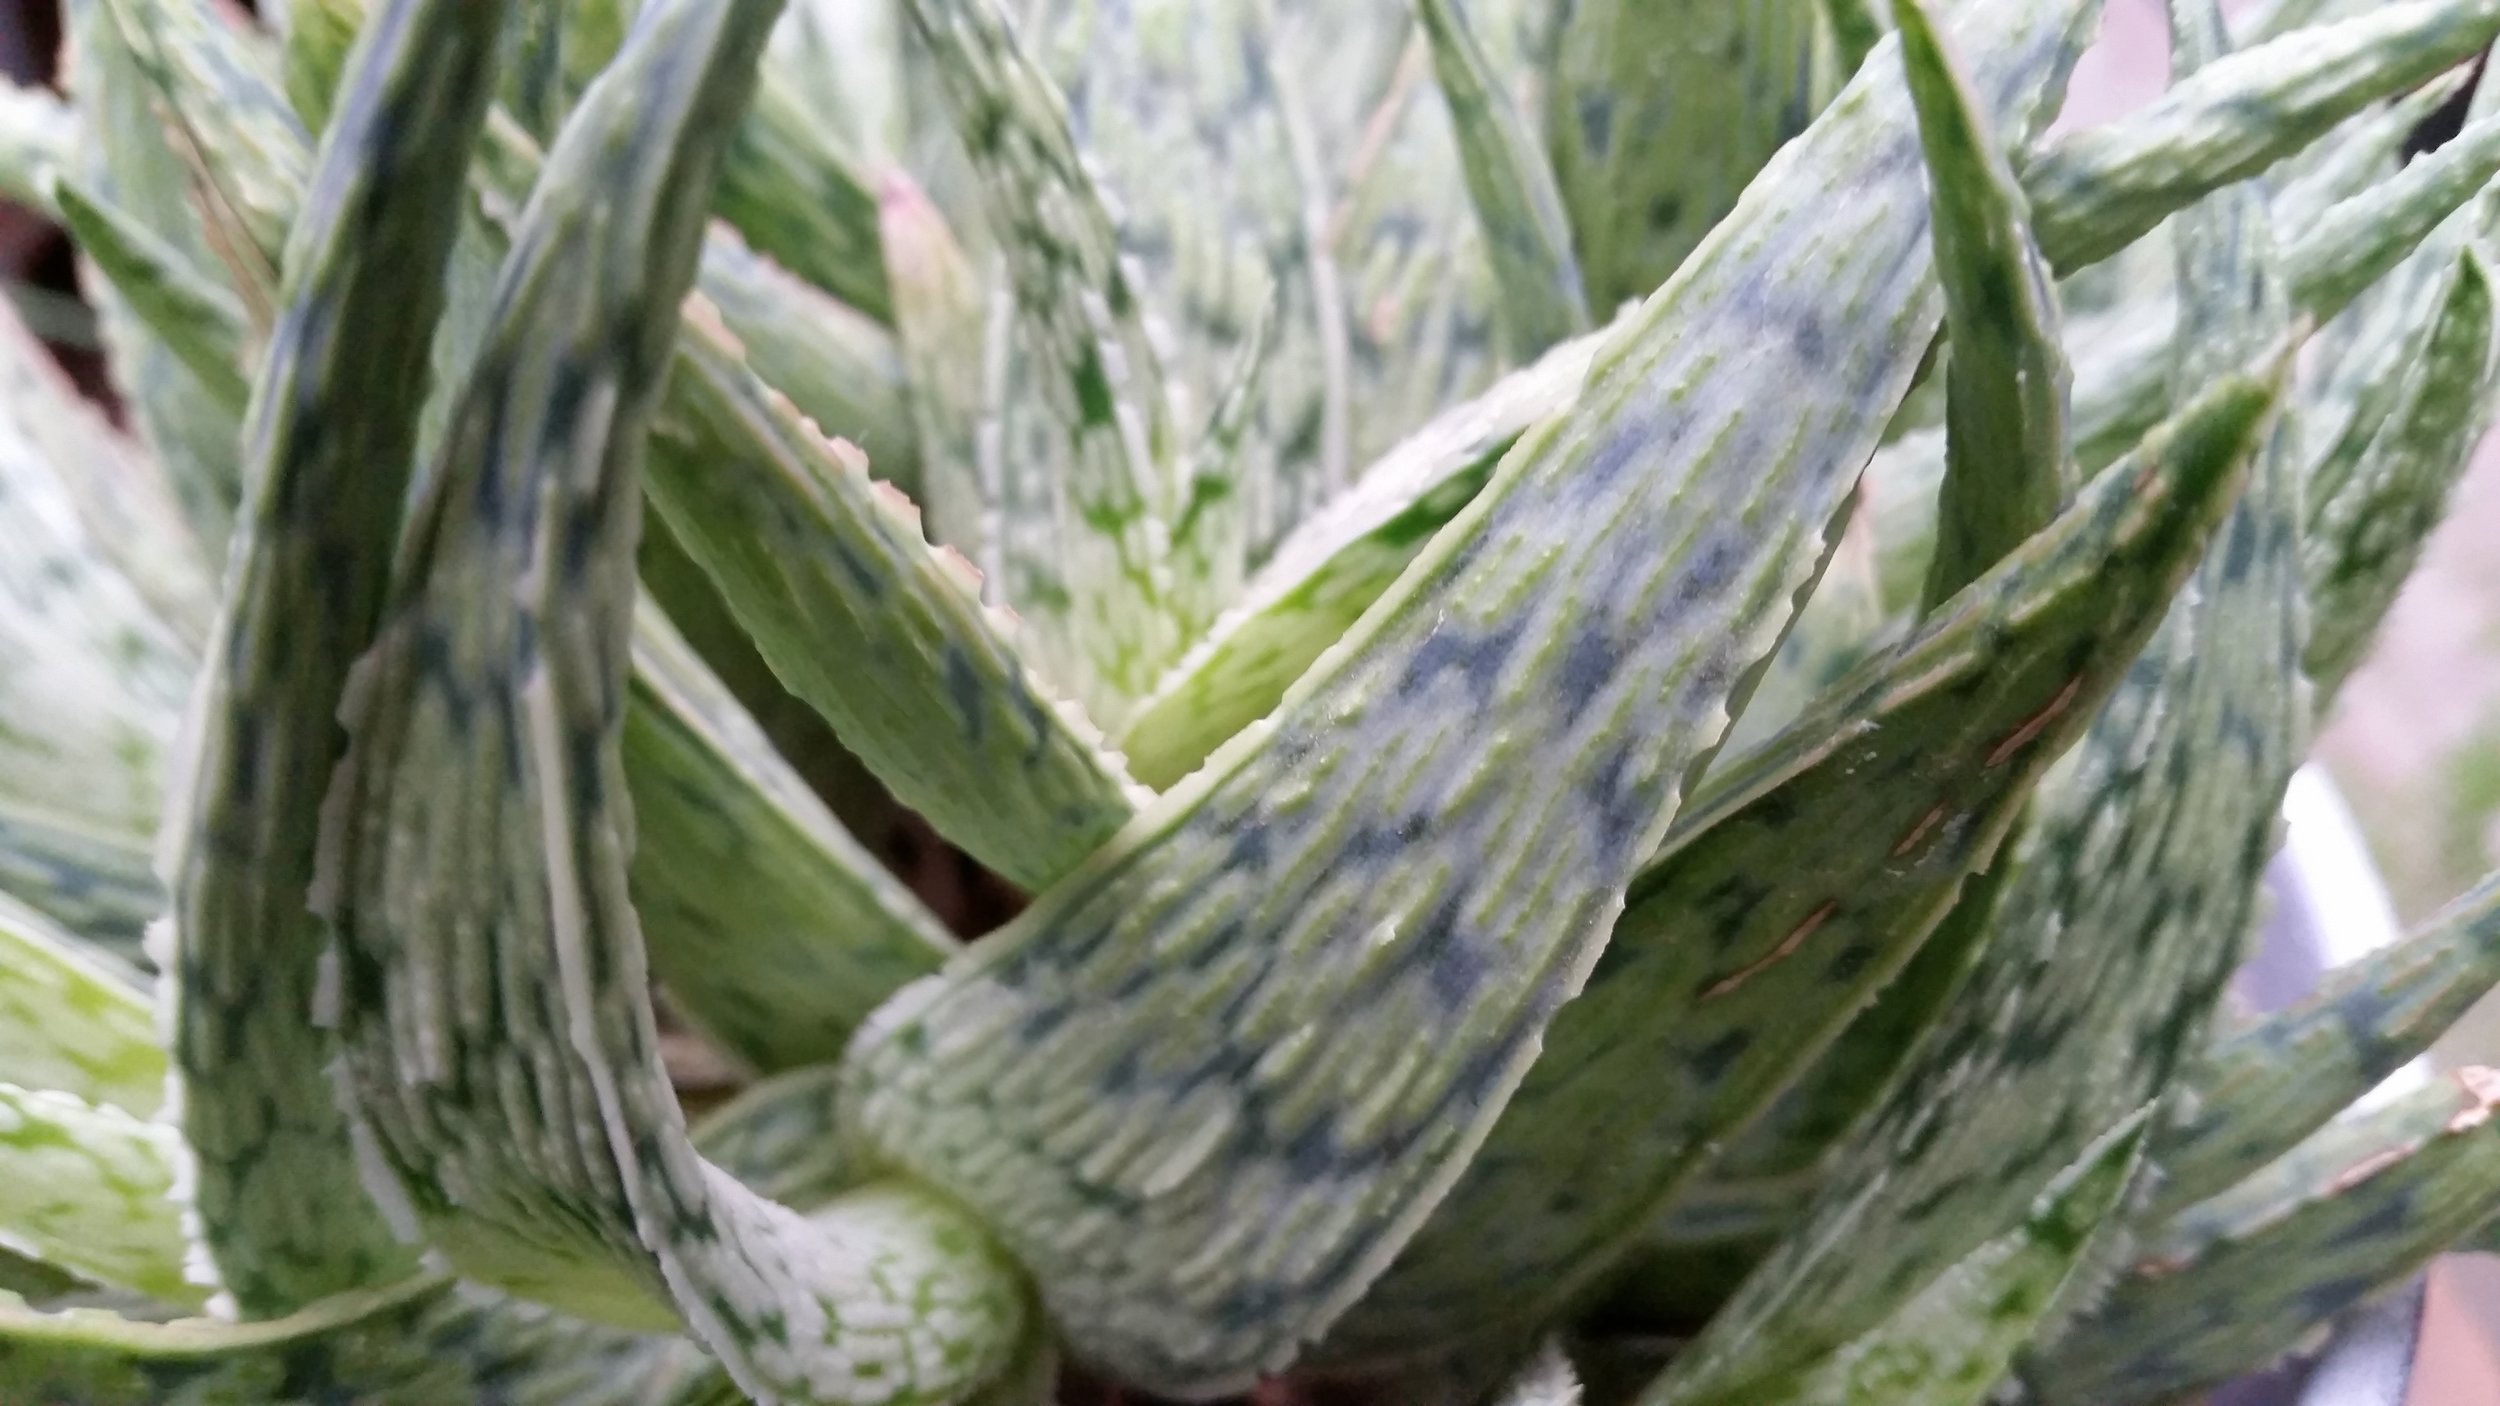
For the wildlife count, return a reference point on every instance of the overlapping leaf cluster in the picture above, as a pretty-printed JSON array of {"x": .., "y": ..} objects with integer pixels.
[{"x": 1638, "y": 657}]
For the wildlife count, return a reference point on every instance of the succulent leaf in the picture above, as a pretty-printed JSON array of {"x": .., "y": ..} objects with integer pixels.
[
  {"x": 1897, "y": 786},
  {"x": 505, "y": 650},
  {"x": 2263, "y": 1087},
  {"x": 73, "y": 1019},
  {"x": 2006, "y": 466},
  {"x": 2134, "y": 866},
  {"x": 1316, "y": 893},
  {"x": 2337, "y": 1221},
  {"x": 88, "y": 1188},
  {"x": 1521, "y": 211},
  {"x": 199, "y": 320},
  {"x": 1949, "y": 1345},
  {"x": 2098, "y": 189}
]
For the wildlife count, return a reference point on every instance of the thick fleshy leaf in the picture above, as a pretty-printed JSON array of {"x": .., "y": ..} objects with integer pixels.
[
  {"x": 100, "y": 885},
  {"x": 1794, "y": 887},
  {"x": 1660, "y": 114},
  {"x": 2106, "y": 961},
  {"x": 421, "y": 1341},
  {"x": 1375, "y": 902},
  {"x": 2006, "y": 465},
  {"x": 226, "y": 111},
  {"x": 277, "y": 1201},
  {"x": 2369, "y": 533},
  {"x": 769, "y": 926},
  {"x": 88, "y": 1188},
  {"x": 1111, "y": 625},
  {"x": 2363, "y": 151},
  {"x": 2099, "y": 189},
  {"x": 128, "y": 161},
  {"x": 801, "y": 199},
  {"x": 2245, "y": 1278},
  {"x": 880, "y": 633},
  {"x": 481, "y": 839},
  {"x": 198, "y": 319},
  {"x": 1949, "y": 1345},
  {"x": 72, "y": 1019},
  {"x": 1526, "y": 231},
  {"x": 1331, "y": 569},
  {"x": 2262, "y": 1088},
  {"x": 121, "y": 496},
  {"x": 941, "y": 326}
]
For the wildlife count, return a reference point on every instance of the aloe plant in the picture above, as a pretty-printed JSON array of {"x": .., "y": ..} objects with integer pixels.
[{"x": 1630, "y": 665}]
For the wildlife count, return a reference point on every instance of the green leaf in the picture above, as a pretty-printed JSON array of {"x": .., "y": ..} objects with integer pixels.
[
  {"x": 119, "y": 494},
  {"x": 799, "y": 198},
  {"x": 2240, "y": 1281},
  {"x": 1363, "y": 901},
  {"x": 2364, "y": 150},
  {"x": 1857, "y": 26},
  {"x": 485, "y": 798},
  {"x": 941, "y": 326},
  {"x": 126, "y": 160},
  {"x": 774, "y": 932},
  {"x": 88, "y": 1188},
  {"x": 2368, "y": 534},
  {"x": 2106, "y": 964},
  {"x": 1660, "y": 114},
  {"x": 1525, "y": 228},
  {"x": 2006, "y": 465},
  {"x": 2263, "y": 1087},
  {"x": 886, "y": 639},
  {"x": 72, "y": 1019},
  {"x": 1792, "y": 888},
  {"x": 280, "y": 1207},
  {"x": 1331, "y": 569},
  {"x": 1950, "y": 1344},
  {"x": 100, "y": 885},
  {"x": 197, "y": 318},
  {"x": 1094, "y": 372},
  {"x": 2099, "y": 189},
  {"x": 227, "y": 115}
]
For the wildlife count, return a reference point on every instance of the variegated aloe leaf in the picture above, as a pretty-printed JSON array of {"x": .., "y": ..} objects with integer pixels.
[
  {"x": 91, "y": 681},
  {"x": 1536, "y": 688},
  {"x": 1112, "y": 621},
  {"x": 199, "y": 319},
  {"x": 1330, "y": 570},
  {"x": 227, "y": 116},
  {"x": 1324, "y": 575},
  {"x": 491, "y": 727},
  {"x": 2099, "y": 189},
  {"x": 2360, "y": 152},
  {"x": 126, "y": 504},
  {"x": 2113, "y": 937},
  {"x": 128, "y": 161},
  {"x": 1876, "y": 806},
  {"x": 1949, "y": 1345},
  {"x": 88, "y": 1188},
  {"x": 2370, "y": 532},
  {"x": 1660, "y": 114},
  {"x": 416, "y": 1343},
  {"x": 799, "y": 197},
  {"x": 2241, "y": 1280},
  {"x": 882, "y": 635},
  {"x": 278, "y": 1203},
  {"x": 773, "y": 931},
  {"x": 72, "y": 1019},
  {"x": 2264, "y": 1087},
  {"x": 1526, "y": 231},
  {"x": 99, "y": 884},
  {"x": 1841, "y": 625},
  {"x": 941, "y": 323},
  {"x": 2006, "y": 467},
  {"x": 2120, "y": 386}
]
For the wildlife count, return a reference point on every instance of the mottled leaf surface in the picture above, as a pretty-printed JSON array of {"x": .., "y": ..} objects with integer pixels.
[
  {"x": 88, "y": 1188},
  {"x": 73, "y": 1019},
  {"x": 2334, "y": 1224},
  {"x": 1208, "y": 1083},
  {"x": 1795, "y": 886}
]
